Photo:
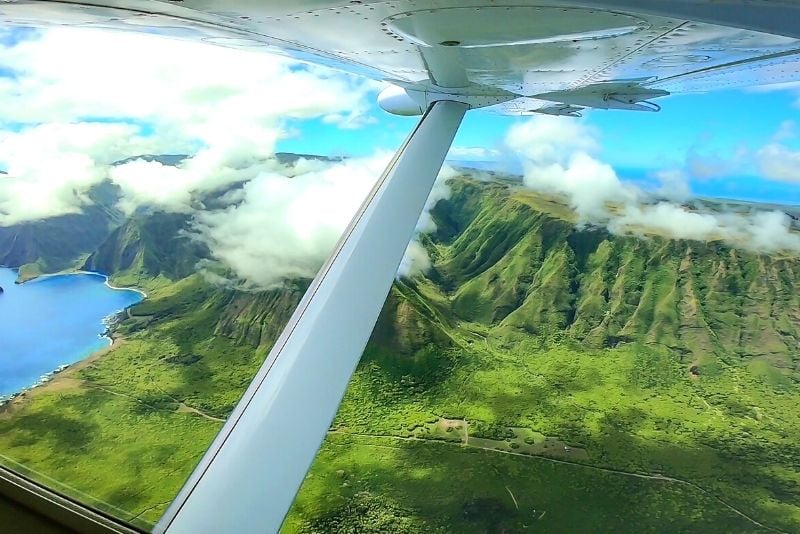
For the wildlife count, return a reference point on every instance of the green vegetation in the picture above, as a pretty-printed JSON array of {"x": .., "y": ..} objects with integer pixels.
[
  {"x": 122, "y": 454},
  {"x": 29, "y": 271},
  {"x": 376, "y": 485},
  {"x": 145, "y": 247},
  {"x": 540, "y": 376}
]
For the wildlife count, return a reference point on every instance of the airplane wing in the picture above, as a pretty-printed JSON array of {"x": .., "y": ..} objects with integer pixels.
[
  {"x": 518, "y": 56},
  {"x": 441, "y": 57}
]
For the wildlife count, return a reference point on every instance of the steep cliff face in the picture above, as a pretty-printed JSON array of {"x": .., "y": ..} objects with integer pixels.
[
  {"x": 635, "y": 355},
  {"x": 64, "y": 241},
  {"x": 58, "y": 242},
  {"x": 508, "y": 260},
  {"x": 256, "y": 318},
  {"x": 407, "y": 324},
  {"x": 514, "y": 264},
  {"x": 521, "y": 267},
  {"x": 149, "y": 245}
]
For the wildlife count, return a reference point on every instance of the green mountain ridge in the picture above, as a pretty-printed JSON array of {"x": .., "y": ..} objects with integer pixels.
[
  {"x": 524, "y": 271},
  {"x": 149, "y": 245}
]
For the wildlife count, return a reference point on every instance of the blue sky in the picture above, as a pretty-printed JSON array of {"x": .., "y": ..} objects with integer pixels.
[
  {"x": 710, "y": 128},
  {"x": 716, "y": 123},
  {"x": 714, "y": 138}
]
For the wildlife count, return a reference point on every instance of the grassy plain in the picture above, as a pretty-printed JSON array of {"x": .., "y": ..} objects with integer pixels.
[
  {"x": 376, "y": 484},
  {"x": 631, "y": 410}
]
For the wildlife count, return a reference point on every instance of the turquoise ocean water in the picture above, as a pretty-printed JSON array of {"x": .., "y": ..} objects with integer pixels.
[{"x": 52, "y": 321}]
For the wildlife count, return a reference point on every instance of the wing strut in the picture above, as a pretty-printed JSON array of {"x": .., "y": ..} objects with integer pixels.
[{"x": 248, "y": 478}]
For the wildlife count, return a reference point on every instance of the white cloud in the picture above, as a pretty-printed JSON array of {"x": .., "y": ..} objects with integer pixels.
[
  {"x": 284, "y": 228},
  {"x": 778, "y": 162},
  {"x": 415, "y": 261},
  {"x": 770, "y": 232},
  {"x": 129, "y": 95},
  {"x": 559, "y": 159},
  {"x": 51, "y": 166},
  {"x": 69, "y": 74},
  {"x": 758, "y": 231},
  {"x": 546, "y": 139},
  {"x": 473, "y": 153},
  {"x": 87, "y": 99},
  {"x": 440, "y": 191},
  {"x": 674, "y": 185},
  {"x": 667, "y": 219},
  {"x": 178, "y": 188},
  {"x": 153, "y": 184}
]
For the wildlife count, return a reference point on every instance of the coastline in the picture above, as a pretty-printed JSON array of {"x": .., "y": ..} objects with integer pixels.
[
  {"x": 107, "y": 279},
  {"x": 63, "y": 371},
  {"x": 115, "y": 288},
  {"x": 58, "y": 380}
]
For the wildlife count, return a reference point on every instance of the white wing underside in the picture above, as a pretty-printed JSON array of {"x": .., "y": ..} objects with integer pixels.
[{"x": 533, "y": 55}]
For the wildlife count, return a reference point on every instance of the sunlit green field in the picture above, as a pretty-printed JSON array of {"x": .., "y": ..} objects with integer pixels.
[
  {"x": 632, "y": 410},
  {"x": 108, "y": 450},
  {"x": 362, "y": 484}
]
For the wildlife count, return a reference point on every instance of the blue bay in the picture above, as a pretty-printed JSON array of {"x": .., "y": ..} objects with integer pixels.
[{"x": 52, "y": 321}]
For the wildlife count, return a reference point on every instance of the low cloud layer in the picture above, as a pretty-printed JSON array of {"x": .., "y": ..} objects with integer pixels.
[
  {"x": 73, "y": 101},
  {"x": 561, "y": 156},
  {"x": 280, "y": 228},
  {"x": 51, "y": 167},
  {"x": 558, "y": 156},
  {"x": 758, "y": 231},
  {"x": 283, "y": 228}
]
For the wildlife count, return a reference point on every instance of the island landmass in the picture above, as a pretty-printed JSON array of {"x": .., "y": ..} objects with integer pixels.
[{"x": 538, "y": 374}]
